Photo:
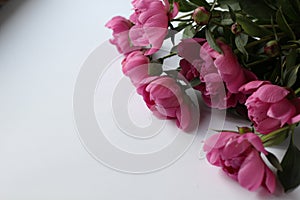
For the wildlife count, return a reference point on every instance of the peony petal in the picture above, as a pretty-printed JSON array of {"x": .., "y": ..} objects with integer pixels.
[
  {"x": 138, "y": 36},
  {"x": 282, "y": 110},
  {"x": 232, "y": 149},
  {"x": 213, "y": 157},
  {"x": 250, "y": 76},
  {"x": 118, "y": 24},
  {"x": 167, "y": 5},
  {"x": 210, "y": 51},
  {"x": 164, "y": 87},
  {"x": 218, "y": 140},
  {"x": 251, "y": 87},
  {"x": 268, "y": 125},
  {"x": 296, "y": 103},
  {"x": 189, "y": 49},
  {"x": 270, "y": 180},
  {"x": 187, "y": 117},
  {"x": 254, "y": 140},
  {"x": 169, "y": 112},
  {"x": 252, "y": 171},
  {"x": 175, "y": 10},
  {"x": 214, "y": 83},
  {"x": 159, "y": 21},
  {"x": 294, "y": 120},
  {"x": 271, "y": 93},
  {"x": 156, "y": 37}
]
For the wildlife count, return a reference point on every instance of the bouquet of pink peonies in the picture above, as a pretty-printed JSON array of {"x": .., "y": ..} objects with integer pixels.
[{"x": 241, "y": 55}]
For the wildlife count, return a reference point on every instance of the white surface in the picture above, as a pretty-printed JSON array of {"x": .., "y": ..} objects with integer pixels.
[{"x": 42, "y": 47}]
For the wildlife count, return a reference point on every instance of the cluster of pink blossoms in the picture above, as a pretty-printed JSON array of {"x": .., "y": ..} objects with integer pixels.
[
  {"x": 224, "y": 83},
  {"x": 140, "y": 37}
]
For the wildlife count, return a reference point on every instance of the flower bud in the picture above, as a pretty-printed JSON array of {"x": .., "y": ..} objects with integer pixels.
[
  {"x": 243, "y": 130},
  {"x": 272, "y": 48},
  {"x": 201, "y": 16},
  {"x": 236, "y": 28}
]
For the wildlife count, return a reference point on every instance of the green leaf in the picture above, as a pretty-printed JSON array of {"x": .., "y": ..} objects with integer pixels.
[
  {"x": 172, "y": 73},
  {"x": 283, "y": 25},
  {"x": 201, "y": 3},
  {"x": 290, "y": 175},
  {"x": 290, "y": 8},
  {"x": 227, "y": 22},
  {"x": 291, "y": 59},
  {"x": 234, "y": 4},
  {"x": 257, "y": 8},
  {"x": 175, "y": 30},
  {"x": 274, "y": 161},
  {"x": 185, "y": 6},
  {"x": 155, "y": 68},
  {"x": 181, "y": 26},
  {"x": 295, "y": 42},
  {"x": 232, "y": 14},
  {"x": 251, "y": 28},
  {"x": 195, "y": 82},
  {"x": 226, "y": 19},
  {"x": 290, "y": 75},
  {"x": 188, "y": 32},
  {"x": 174, "y": 49},
  {"x": 241, "y": 41},
  {"x": 275, "y": 137},
  {"x": 272, "y": 4},
  {"x": 212, "y": 42}
]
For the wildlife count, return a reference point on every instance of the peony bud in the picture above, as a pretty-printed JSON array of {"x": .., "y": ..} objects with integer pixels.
[
  {"x": 236, "y": 28},
  {"x": 201, "y": 16},
  {"x": 272, "y": 48}
]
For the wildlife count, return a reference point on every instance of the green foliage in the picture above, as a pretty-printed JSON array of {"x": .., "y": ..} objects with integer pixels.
[
  {"x": 274, "y": 161},
  {"x": 291, "y": 75},
  {"x": 189, "y": 32},
  {"x": 185, "y": 6},
  {"x": 257, "y": 8},
  {"x": 283, "y": 24},
  {"x": 155, "y": 68},
  {"x": 241, "y": 41},
  {"x": 291, "y": 8},
  {"x": 201, "y": 3},
  {"x": 251, "y": 28},
  {"x": 290, "y": 175},
  {"x": 211, "y": 41},
  {"x": 234, "y": 4},
  {"x": 260, "y": 23}
]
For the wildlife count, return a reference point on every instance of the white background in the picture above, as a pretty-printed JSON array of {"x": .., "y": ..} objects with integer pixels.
[{"x": 42, "y": 47}]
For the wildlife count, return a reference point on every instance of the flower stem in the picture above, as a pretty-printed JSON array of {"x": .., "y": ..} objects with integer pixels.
[
  {"x": 181, "y": 20},
  {"x": 168, "y": 56},
  {"x": 273, "y": 134},
  {"x": 293, "y": 46},
  {"x": 257, "y": 62},
  {"x": 184, "y": 16},
  {"x": 214, "y": 5},
  {"x": 297, "y": 91},
  {"x": 292, "y": 128},
  {"x": 264, "y": 39}
]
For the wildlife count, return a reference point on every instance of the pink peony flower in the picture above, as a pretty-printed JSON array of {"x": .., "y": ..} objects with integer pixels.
[
  {"x": 221, "y": 75},
  {"x": 121, "y": 27},
  {"x": 151, "y": 19},
  {"x": 135, "y": 66},
  {"x": 188, "y": 71},
  {"x": 239, "y": 157},
  {"x": 269, "y": 107},
  {"x": 166, "y": 99}
]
